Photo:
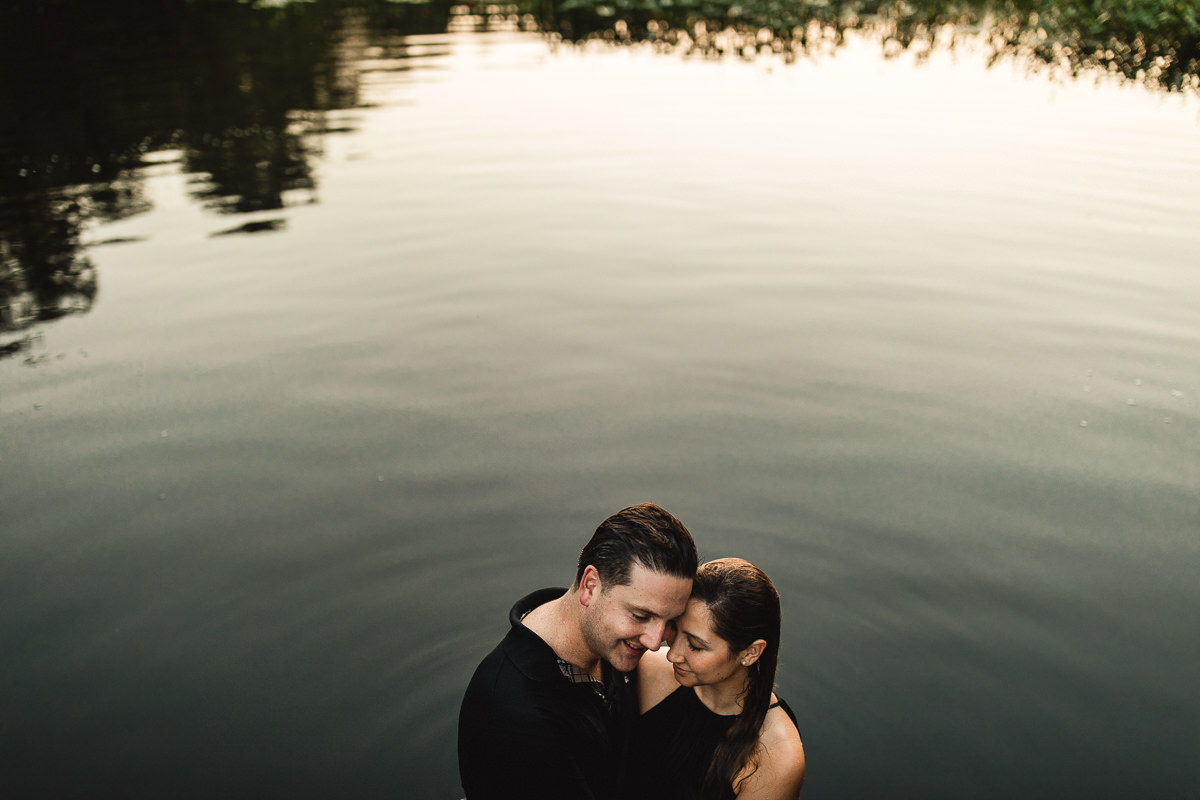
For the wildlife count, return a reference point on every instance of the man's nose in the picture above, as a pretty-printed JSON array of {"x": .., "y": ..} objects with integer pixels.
[{"x": 652, "y": 639}]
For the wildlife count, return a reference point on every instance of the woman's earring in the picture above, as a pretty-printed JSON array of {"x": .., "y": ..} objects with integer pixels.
[{"x": 743, "y": 662}]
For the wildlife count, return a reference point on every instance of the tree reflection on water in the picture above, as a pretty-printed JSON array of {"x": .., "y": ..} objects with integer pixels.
[
  {"x": 90, "y": 90},
  {"x": 1155, "y": 42},
  {"x": 241, "y": 90}
]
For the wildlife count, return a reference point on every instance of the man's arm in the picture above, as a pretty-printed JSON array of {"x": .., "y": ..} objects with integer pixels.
[
  {"x": 513, "y": 745},
  {"x": 511, "y": 765}
]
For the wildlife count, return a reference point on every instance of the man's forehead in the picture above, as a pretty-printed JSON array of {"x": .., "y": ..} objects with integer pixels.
[
  {"x": 640, "y": 573},
  {"x": 656, "y": 592}
]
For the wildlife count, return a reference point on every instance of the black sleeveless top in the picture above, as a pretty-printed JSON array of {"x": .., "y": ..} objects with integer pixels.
[{"x": 672, "y": 746}]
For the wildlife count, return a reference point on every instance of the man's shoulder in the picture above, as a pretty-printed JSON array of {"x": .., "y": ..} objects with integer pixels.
[
  {"x": 511, "y": 695},
  {"x": 506, "y": 669},
  {"x": 532, "y": 600},
  {"x": 522, "y": 665}
]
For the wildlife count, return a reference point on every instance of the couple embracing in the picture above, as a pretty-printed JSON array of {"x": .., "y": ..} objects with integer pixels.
[{"x": 647, "y": 678}]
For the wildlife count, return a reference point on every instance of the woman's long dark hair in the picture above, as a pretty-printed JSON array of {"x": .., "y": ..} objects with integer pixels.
[{"x": 744, "y": 607}]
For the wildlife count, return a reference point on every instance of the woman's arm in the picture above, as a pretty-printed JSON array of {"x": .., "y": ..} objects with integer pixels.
[{"x": 780, "y": 757}]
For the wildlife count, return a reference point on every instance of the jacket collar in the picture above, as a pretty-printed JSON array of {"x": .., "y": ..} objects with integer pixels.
[{"x": 529, "y": 652}]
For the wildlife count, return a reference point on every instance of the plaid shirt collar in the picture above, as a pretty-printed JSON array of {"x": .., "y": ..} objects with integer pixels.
[{"x": 577, "y": 675}]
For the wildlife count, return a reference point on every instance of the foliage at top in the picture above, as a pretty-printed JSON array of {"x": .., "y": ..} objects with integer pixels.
[{"x": 1155, "y": 42}]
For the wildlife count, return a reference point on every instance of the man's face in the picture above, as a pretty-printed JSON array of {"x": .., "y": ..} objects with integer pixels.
[{"x": 620, "y": 623}]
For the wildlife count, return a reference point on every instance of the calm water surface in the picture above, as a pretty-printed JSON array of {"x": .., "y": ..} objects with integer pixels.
[{"x": 919, "y": 337}]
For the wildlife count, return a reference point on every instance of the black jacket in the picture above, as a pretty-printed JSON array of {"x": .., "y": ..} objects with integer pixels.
[{"x": 525, "y": 731}]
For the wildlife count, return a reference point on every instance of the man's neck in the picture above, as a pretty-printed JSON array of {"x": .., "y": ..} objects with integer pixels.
[{"x": 557, "y": 624}]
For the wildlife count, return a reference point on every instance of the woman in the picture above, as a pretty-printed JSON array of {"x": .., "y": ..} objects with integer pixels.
[{"x": 711, "y": 726}]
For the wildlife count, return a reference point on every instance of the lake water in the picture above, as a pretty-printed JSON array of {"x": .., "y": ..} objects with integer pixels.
[{"x": 919, "y": 336}]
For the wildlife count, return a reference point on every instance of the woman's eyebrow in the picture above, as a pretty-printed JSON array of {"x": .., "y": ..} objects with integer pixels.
[{"x": 691, "y": 635}]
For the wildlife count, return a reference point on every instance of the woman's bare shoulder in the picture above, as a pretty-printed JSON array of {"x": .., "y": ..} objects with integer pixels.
[
  {"x": 780, "y": 761},
  {"x": 780, "y": 737},
  {"x": 656, "y": 679}
]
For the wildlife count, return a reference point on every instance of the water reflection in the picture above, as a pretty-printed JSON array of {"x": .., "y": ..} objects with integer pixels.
[
  {"x": 242, "y": 92},
  {"x": 43, "y": 276},
  {"x": 1153, "y": 42}
]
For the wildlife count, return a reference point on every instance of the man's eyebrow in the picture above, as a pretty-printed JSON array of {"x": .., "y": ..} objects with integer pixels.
[{"x": 643, "y": 610}]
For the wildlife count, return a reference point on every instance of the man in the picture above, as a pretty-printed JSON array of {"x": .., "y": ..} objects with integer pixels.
[{"x": 546, "y": 714}]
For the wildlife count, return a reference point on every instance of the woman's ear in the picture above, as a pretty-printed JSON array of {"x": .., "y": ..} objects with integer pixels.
[{"x": 753, "y": 652}]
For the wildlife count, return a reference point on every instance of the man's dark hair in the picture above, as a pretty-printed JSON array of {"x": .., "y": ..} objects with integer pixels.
[{"x": 643, "y": 533}]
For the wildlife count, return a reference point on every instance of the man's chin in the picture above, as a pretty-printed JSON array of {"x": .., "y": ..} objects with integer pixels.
[{"x": 626, "y": 658}]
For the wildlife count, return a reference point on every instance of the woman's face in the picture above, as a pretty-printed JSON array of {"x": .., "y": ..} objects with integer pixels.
[{"x": 700, "y": 657}]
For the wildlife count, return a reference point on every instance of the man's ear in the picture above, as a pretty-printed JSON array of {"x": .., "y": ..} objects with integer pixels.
[
  {"x": 589, "y": 585},
  {"x": 753, "y": 652}
]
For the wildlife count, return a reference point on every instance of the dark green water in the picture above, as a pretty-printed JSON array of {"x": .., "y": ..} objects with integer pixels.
[{"x": 330, "y": 330}]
